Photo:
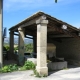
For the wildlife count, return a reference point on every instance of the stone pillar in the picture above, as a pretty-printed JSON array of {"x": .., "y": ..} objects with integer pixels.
[
  {"x": 11, "y": 54},
  {"x": 34, "y": 44},
  {"x": 21, "y": 46},
  {"x": 42, "y": 46},
  {"x": 1, "y": 26}
]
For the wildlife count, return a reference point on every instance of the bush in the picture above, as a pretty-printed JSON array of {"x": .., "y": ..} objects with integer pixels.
[
  {"x": 22, "y": 68},
  {"x": 37, "y": 74},
  {"x": 9, "y": 68},
  {"x": 7, "y": 48},
  {"x": 29, "y": 48},
  {"x": 29, "y": 65},
  {"x": 15, "y": 48}
]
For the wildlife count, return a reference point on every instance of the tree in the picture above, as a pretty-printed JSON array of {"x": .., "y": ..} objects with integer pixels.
[{"x": 29, "y": 48}]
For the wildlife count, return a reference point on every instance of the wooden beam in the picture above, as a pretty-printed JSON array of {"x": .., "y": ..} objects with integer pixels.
[
  {"x": 71, "y": 34},
  {"x": 55, "y": 29},
  {"x": 16, "y": 34},
  {"x": 59, "y": 36},
  {"x": 29, "y": 37},
  {"x": 30, "y": 33},
  {"x": 25, "y": 36},
  {"x": 66, "y": 32},
  {"x": 28, "y": 23},
  {"x": 61, "y": 22}
]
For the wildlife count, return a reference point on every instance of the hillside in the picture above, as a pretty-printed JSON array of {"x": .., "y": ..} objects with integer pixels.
[{"x": 26, "y": 41}]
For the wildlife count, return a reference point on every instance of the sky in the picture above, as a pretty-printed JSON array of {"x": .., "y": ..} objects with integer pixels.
[{"x": 14, "y": 11}]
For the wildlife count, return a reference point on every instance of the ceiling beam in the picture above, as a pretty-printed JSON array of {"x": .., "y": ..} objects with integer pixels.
[
  {"x": 28, "y": 23},
  {"x": 55, "y": 29},
  {"x": 25, "y": 36},
  {"x": 59, "y": 36},
  {"x": 71, "y": 34}
]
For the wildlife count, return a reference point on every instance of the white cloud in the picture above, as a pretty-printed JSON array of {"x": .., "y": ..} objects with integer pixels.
[
  {"x": 27, "y": 4},
  {"x": 18, "y": 4}
]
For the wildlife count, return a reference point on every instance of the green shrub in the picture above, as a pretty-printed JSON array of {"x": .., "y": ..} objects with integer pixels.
[
  {"x": 23, "y": 68},
  {"x": 9, "y": 68},
  {"x": 29, "y": 48},
  {"x": 15, "y": 48},
  {"x": 14, "y": 67},
  {"x": 29, "y": 65},
  {"x": 65, "y": 68},
  {"x": 37, "y": 74},
  {"x": 0, "y": 70},
  {"x": 7, "y": 48}
]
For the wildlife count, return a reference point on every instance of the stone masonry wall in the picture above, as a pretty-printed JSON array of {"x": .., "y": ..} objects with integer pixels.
[{"x": 69, "y": 48}]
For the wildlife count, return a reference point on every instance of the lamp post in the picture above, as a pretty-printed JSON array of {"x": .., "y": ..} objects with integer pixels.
[
  {"x": 55, "y": 1},
  {"x": 1, "y": 31}
]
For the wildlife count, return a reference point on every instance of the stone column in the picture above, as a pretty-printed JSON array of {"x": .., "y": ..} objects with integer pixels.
[
  {"x": 34, "y": 44},
  {"x": 11, "y": 54},
  {"x": 1, "y": 26},
  {"x": 42, "y": 46},
  {"x": 21, "y": 46}
]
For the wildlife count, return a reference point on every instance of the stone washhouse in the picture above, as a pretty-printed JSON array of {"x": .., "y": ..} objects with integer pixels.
[{"x": 50, "y": 36}]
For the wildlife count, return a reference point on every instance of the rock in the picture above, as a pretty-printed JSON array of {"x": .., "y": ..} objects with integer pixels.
[{"x": 34, "y": 60}]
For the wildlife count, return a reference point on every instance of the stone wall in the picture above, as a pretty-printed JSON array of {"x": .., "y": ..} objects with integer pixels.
[
  {"x": 69, "y": 48},
  {"x": 51, "y": 50}
]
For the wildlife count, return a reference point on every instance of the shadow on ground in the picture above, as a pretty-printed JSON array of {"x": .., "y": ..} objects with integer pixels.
[{"x": 69, "y": 67}]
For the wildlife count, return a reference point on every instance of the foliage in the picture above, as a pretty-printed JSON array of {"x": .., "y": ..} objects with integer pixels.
[
  {"x": 29, "y": 48},
  {"x": 23, "y": 68},
  {"x": 48, "y": 61},
  {"x": 65, "y": 68},
  {"x": 37, "y": 74},
  {"x": 7, "y": 47},
  {"x": 28, "y": 66},
  {"x": 15, "y": 48},
  {"x": 9, "y": 68},
  {"x": 0, "y": 70}
]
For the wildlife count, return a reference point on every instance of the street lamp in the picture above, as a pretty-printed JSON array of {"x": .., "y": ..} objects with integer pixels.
[{"x": 55, "y": 1}]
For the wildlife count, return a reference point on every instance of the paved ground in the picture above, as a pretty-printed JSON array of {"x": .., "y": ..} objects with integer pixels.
[{"x": 70, "y": 74}]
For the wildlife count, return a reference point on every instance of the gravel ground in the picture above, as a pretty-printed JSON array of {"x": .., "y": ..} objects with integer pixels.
[{"x": 69, "y": 74}]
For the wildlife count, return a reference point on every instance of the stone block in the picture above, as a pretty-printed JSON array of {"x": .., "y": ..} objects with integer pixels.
[
  {"x": 41, "y": 56},
  {"x": 42, "y": 70},
  {"x": 42, "y": 36},
  {"x": 57, "y": 65},
  {"x": 39, "y": 21},
  {"x": 34, "y": 60}
]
